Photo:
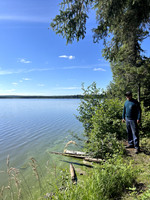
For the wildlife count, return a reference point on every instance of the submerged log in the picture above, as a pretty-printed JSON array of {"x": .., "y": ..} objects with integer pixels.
[{"x": 73, "y": 174}]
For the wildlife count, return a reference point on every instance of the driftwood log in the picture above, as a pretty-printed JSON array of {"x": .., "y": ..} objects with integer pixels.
[
  {"x": 96, "y": 160},
  {"x": 73, "y": 174},
  {"x": 78, "y": 154}
]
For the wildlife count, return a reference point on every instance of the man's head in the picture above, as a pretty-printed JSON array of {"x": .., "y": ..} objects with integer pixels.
[{"x": 128, "y": 95}]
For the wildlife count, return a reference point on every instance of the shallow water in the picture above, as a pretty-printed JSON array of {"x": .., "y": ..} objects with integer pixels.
[{"x": 32, "y": 127}]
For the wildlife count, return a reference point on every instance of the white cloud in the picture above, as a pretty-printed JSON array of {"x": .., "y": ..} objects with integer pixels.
[
  {"x": 68, "y": 57},
  {"x": 14, "y": 83},
  {"x": 22, "y": 60},
  {"x": 99, "y": 69},
  {"x": 26, "y": 79}
]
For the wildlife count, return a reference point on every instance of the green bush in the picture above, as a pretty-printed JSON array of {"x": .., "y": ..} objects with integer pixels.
[
  {"x": 107, "y": 129},
  {"x": 102, "y": 122}
]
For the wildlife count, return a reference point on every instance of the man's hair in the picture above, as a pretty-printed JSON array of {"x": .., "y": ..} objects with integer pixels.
[{"x": 129, "y": 93}]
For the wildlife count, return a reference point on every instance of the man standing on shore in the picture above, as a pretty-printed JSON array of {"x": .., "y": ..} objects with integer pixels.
[{"x": 132, "y": 115}]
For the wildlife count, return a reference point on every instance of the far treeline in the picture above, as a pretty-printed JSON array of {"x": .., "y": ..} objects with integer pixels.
[
  {"x": 98, "y": 96},
  {"x": 123, "y": 26}
]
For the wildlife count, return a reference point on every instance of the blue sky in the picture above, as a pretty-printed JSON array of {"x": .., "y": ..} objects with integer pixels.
[{"x": 36, "y": 61}]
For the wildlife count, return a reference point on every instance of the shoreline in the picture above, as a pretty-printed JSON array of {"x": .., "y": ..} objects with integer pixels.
[
  {"x": 41, "y": 97},
  {"x": 78, "y": 96}
]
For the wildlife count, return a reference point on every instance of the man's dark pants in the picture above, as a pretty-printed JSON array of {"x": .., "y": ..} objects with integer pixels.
[{"x": 133, "y": 133}]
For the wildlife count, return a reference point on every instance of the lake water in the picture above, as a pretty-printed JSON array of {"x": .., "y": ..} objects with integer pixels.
[{"x": 32, "y": 127}]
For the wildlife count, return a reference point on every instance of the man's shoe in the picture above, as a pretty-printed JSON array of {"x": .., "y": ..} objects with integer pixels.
[
  {"x": 129, "y": 146},
  {"x": 137, "y": 151}
]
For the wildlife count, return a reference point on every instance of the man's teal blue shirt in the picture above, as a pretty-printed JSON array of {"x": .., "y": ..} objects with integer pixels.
[{"x": 132, "y": 110}]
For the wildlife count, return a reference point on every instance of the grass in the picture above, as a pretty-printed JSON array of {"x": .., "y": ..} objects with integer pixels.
[
  {"x": 141, "y": 163},
  {"x": 106, "y": 181},
  {"x": 126, "y": 178}
]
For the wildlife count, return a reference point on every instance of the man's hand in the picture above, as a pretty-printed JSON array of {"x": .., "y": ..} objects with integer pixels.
[
  {"x": 123, "y": 120},
  {"x": 138, "y": 121}
]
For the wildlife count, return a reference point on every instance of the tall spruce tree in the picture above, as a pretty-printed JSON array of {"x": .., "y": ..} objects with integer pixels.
[{"x": 122, "y": 25}]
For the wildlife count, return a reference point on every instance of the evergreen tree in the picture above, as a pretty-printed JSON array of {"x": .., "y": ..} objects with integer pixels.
[
  {"x": 126, "y": 21},
  {"x": 126, "y": 77}
]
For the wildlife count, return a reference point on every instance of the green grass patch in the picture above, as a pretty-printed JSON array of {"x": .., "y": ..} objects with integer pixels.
[{"x": 107, "y": 181}]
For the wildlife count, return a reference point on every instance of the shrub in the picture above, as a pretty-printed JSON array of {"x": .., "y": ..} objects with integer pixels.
[
  {"x": 101, "y": 119},
  {"x": 107, "y": 129}
]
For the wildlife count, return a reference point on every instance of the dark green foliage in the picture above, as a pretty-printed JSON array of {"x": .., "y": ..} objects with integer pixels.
[
  {"x": 101, "y": 120},
  {"x": 71, "y": 22},
  {"x": 126, "y": 78},
  {"x": 127, "y": 22},
  {"x": 107, "y": 129}
]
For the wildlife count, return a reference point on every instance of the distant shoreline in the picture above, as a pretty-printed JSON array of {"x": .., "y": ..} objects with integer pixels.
[
  {"x": 46, "y": 97},
  {"x": 41, "y": 97}
]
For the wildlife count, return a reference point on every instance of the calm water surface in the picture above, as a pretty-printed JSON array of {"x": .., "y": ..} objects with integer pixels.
[{"x": 31, "y": 127}]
